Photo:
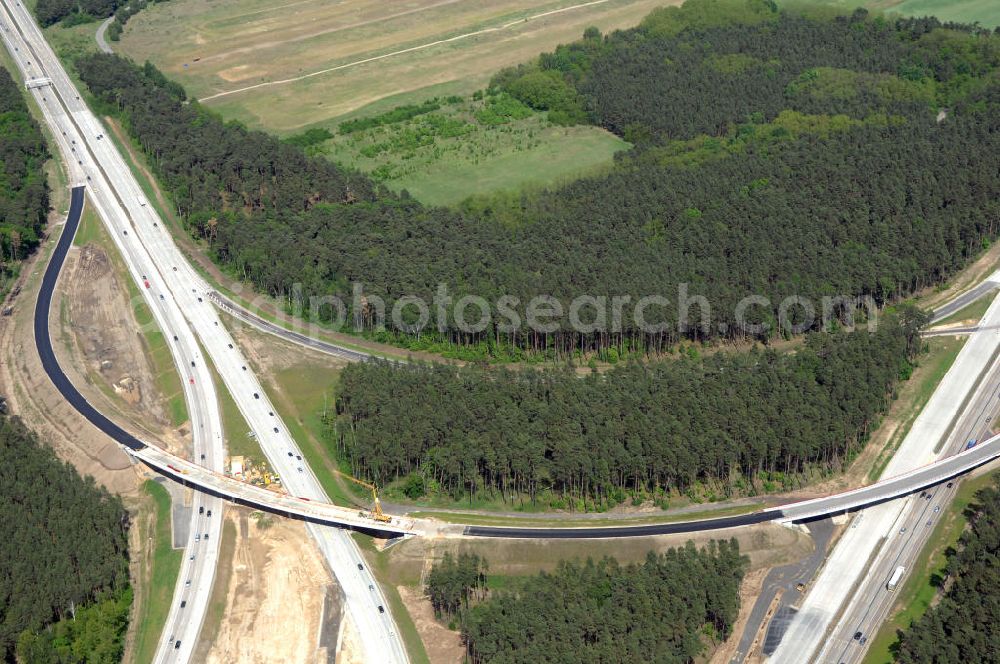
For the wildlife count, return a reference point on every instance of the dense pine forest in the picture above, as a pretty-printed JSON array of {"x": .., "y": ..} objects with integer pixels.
[
  {"x": 965, "y": 625},
  {"x": 455, "y": 583},
  {"x": 777, "y": 153},
  {"x": 600, "y": 612},
  {"x": 637, "y": 428},
  {"x": 24, "y": 192},
  {"x": 64, "y": 591}
]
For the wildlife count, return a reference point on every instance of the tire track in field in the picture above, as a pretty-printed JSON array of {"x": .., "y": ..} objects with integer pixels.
[{"x": 411, "y": 49}]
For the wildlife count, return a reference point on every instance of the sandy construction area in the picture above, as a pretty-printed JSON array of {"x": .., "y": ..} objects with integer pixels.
[{"x": 275, "y": 585}]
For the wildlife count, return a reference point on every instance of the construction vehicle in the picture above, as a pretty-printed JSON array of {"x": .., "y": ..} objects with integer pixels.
[{"x": 376, "y": 512}]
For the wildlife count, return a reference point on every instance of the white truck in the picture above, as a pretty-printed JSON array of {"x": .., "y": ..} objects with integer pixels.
[{"x": 897, "y": 574}]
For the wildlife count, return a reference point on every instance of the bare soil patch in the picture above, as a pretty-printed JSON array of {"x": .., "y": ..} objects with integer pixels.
[
  {"x": 275, "y": 595},
  {"x": 443, "y": 646},
  {"x": 106, "y": 334},
  {"x": 350, "y": 645}
]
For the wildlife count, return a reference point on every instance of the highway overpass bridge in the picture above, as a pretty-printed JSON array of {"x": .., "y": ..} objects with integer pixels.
[{"x": 203, "y": 479}]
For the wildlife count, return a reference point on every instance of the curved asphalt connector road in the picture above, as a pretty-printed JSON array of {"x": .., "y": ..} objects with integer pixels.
[
  {"x": 623, "y": 531},
  {"x": 79, "y": 402},
  {"x": 245, "y": 315},
  {"x": 964, "y": 300},
  {"x": 44, "y": 342}
]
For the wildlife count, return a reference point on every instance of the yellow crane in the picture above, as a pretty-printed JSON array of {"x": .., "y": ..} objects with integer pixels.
[{"x": 376, "y": 513}]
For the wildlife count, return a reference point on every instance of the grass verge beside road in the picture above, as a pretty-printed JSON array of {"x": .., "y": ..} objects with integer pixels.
[
  {"x": 557, "y": 520},
  {"x": 164, "y": 566},
  {"x": 219, "y": 598},
  {"x": 306, "y": 428},
  {"x": 974, "y": 311},
  {"x": 941, "y": 354},
  {"x": 920, "y": 589},
  {"x": 298, "y": 394},
  {"x": 235, "y": 428},
  {"x": 308, "y": 392}
]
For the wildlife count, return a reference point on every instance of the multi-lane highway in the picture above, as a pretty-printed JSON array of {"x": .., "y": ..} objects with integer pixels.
[
  {"x": 174, "y": 289},
  {"x": 217, "y": 484},
  {"x": 964, "y": 398},
  {"x": 181, "y": 305},
  {"x": 199, "y": 563},
  {"x": 908, "y": 534}
]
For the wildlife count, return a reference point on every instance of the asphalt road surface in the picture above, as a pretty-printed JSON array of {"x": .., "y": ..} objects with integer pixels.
[
  {"x": 785, "y": 579},
  {"x": 243, "y": 314},
  {"x": 873, "y": 600},
  {"x": 966, "y": 298},
  {"x": 183, "y": 623},
  {"x": 963, "y": 394},
  {"x": 177, "y": 292},
  {"x": 195, "y": 474}
]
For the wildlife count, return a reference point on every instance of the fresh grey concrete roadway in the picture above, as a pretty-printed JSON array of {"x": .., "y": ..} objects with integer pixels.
[
  {"x": 855, "y": 566},
  {"x": 312, "y": 510},
  {"x": 872, "y": 600},
  {"x": 197, "y": 572},
  {"x": 150, "y": 251}
]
